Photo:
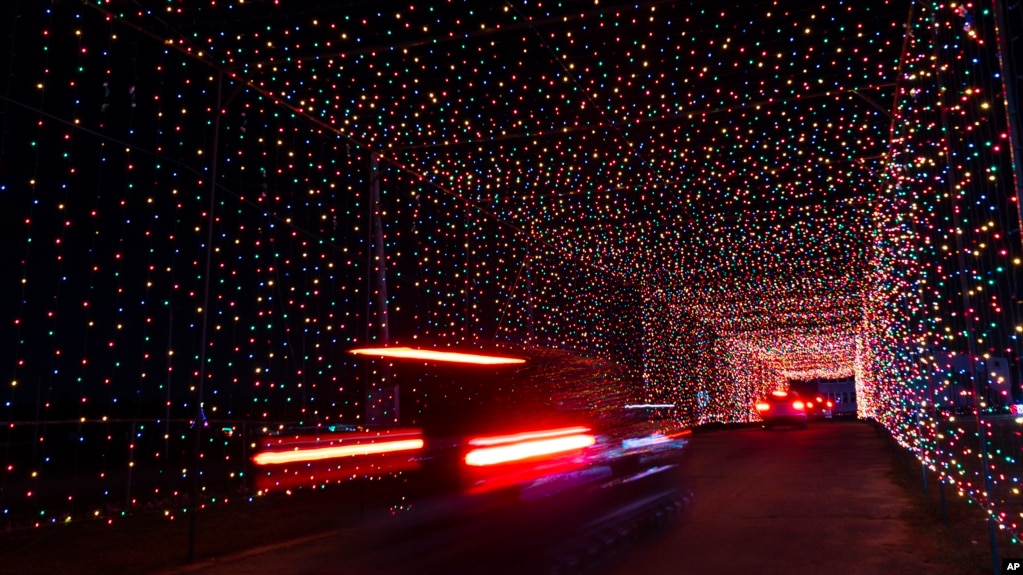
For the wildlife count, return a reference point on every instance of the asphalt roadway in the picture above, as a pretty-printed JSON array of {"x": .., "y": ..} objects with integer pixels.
[
  {"x": 782, "y": 501},
  {"x": 790, "y": 501}
]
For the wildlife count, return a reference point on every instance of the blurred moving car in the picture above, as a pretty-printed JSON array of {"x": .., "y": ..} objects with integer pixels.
[
  {"x": 783, "y": 407},
  {"x": 504, "y": 469}
]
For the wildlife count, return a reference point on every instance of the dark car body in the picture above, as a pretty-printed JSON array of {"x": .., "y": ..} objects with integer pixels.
[
  {"x": 782, "y": 407},
  {"x": 540, "y": 458}
]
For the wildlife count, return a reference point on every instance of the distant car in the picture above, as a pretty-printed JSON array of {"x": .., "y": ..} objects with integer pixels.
[
  {"x": 820, "y": 408},
  {"x": 783, "y": 408}
]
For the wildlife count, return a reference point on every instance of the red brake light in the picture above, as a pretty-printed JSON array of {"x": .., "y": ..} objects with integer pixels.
[
  {"x": 763, "y": 406},
  {"x": 809, "y": 405},
  {"x": 798, "y": 404},
  {"x": 508, "y": 448}
]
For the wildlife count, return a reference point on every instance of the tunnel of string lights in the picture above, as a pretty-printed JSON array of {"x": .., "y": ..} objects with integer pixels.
[{"x": 207, "y": 204}]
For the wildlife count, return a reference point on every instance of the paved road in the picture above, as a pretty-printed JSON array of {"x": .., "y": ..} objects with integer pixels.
[
  {"x": 790, "y": 501},
  {"x": 768, "y": 502}
]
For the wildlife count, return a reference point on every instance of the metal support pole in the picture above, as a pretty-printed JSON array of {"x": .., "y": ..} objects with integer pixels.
[
  {"x": 199, "y": 415},
  {"x": 1005, "y": 66},
  {"x": 944, "y": 505},
  {"x": 379, "y": 292},
  {"x": 923, "y": 473},
  {"x": 131, "y": 464},
  {"x": 994, "y": 542}
]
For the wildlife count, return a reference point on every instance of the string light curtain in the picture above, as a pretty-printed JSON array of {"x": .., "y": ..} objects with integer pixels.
[
  {"x": 719, "y": 200},
  {"x": 946, "y": 312}
]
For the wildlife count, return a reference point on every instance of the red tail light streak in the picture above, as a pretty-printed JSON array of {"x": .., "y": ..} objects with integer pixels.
[
  {"x": 321, "y": 453},
  {"x": 430, "y": 355},
  {"x": 495, "y": 450},
  {"x": 289, "y": 461}
]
